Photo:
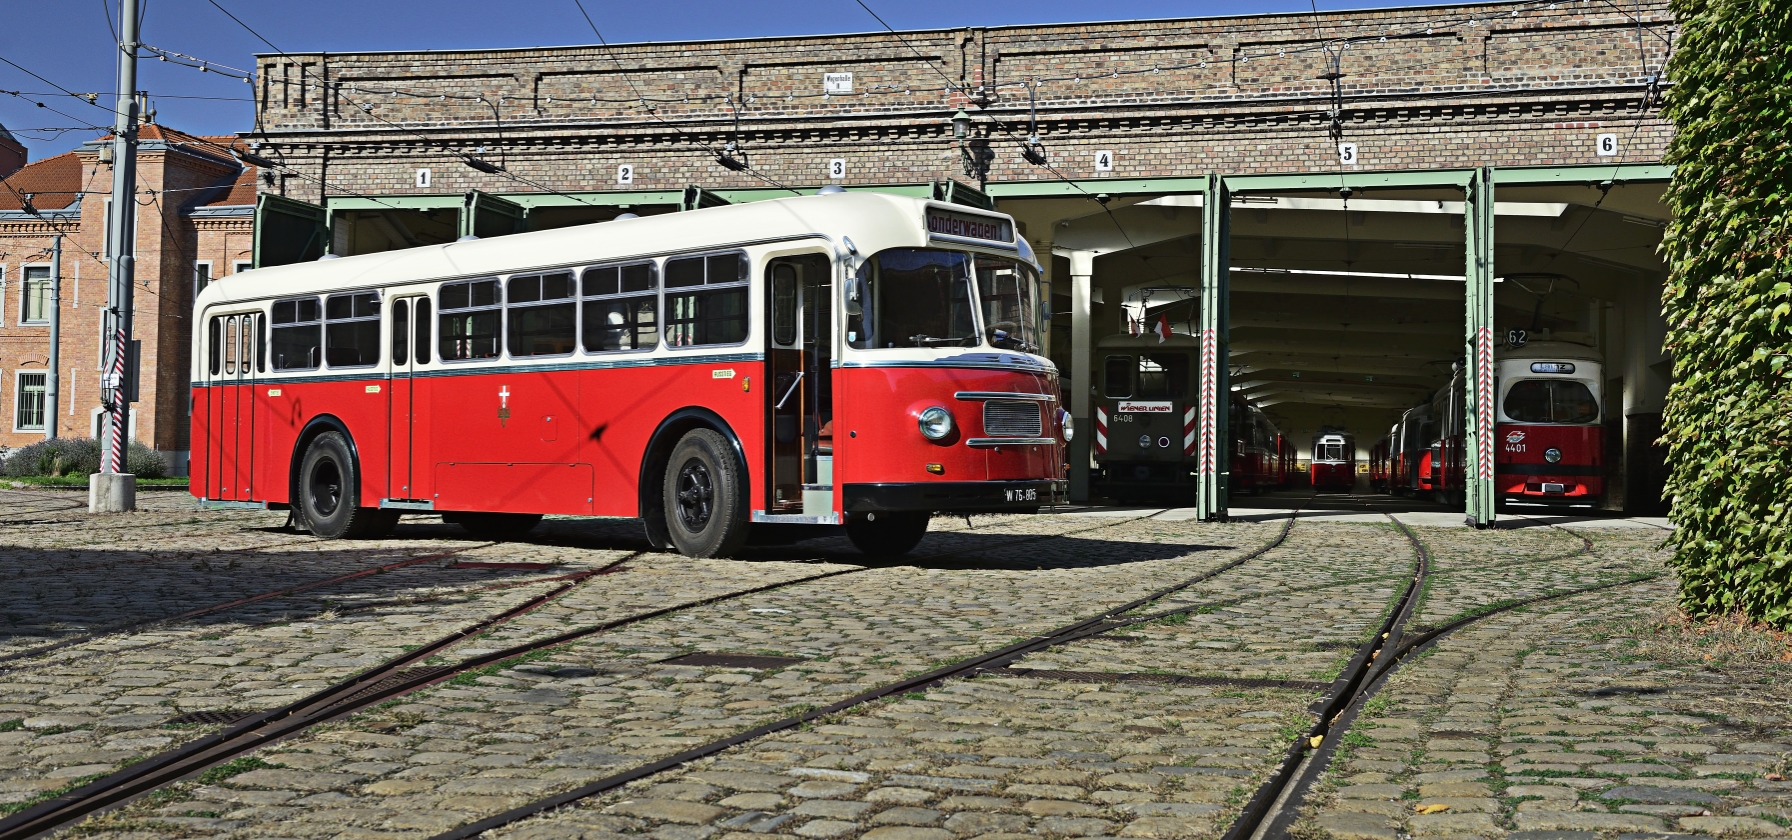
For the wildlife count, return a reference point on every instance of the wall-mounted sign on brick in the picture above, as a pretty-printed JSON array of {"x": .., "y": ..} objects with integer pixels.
[
  {"x": 836, "y": 82},
  {"x": 1347, "y": 154},
  {"x": 423, "y": 179},
  {"x": 1606, "y": 145},
  {"x": 625, "y": 174},
  {"x": 1104, "y": 161},
  {"x": 837, "y": 168}
]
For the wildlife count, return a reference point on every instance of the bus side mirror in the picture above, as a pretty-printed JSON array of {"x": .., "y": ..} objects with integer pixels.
[{"x": 855, "y": 295}]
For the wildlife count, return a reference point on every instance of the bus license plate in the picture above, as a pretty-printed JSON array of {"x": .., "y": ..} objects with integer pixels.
[
  {"x": 1031, "y": 494},
  {"x": 1551, "y": 487}
]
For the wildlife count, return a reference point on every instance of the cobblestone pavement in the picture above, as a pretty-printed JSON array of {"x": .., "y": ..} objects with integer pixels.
[{"x": 1161, "y": 729}]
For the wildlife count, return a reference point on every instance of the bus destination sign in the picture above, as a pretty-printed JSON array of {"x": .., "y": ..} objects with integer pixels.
[{"x": 967, "y": 226}]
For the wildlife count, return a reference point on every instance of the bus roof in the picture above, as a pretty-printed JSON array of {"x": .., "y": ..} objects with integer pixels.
[{"x": 875, "y": 221}]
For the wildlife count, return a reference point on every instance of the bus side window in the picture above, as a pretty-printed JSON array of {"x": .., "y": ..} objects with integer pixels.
[
  {"x": 352, "y": 330},
  {"x": 1116, "y": 377},
  {"x": 714, "y": 313},
  {"x": 783, "y": 304},
  {"x": 422, "y": 348},
  {"x": 215, "y": 345},
  {"x": 621, "y": 304},
  {"x": 470, "y": 320},
  {"x": 541, "y": 318},
  {"x": 230, "y": 345},
  {"x": 401, "y": 332},
  {"x": 298, "y": 333}
]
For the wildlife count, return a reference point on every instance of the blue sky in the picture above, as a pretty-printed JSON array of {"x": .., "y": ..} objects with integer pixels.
[{"x": 69, "y": 44}]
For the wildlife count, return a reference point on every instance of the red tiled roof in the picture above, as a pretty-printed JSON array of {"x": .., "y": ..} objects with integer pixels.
[
  {"x": 55, "y": 180},
  {"x": 240, "y": 192}
]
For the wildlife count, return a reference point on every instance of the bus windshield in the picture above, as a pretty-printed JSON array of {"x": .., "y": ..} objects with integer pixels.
[{"x": 924, "y": 297}]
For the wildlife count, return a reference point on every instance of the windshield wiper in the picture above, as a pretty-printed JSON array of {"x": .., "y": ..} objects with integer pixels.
[{"x": 932, "y": 341}]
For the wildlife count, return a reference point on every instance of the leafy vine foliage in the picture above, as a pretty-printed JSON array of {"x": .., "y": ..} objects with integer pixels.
[{"x": 1728, "y": 305}]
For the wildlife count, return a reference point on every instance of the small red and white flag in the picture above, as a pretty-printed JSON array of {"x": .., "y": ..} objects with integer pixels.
[
  {"x": 1132, "y": 326},
  {"x": 1162, "y": 329}
]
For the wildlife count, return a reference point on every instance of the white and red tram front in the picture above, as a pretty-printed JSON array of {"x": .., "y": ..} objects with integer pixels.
[
  {"x": 856, "y": 359},
  {"x": 1550, "y": 442}
]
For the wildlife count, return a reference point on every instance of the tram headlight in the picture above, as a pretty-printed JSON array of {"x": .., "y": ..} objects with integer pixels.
[
  {"x": 1552, "y": 455},
  {"x": 1068, "y": 425},
  {"x": 935, "y": 423}
]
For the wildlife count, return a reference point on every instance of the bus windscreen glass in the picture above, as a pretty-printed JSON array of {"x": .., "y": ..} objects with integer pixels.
[{"x": 924, "y": 297}]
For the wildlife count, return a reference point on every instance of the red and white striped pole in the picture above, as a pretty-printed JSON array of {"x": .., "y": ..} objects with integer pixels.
[{"x": 114, "y": 491}]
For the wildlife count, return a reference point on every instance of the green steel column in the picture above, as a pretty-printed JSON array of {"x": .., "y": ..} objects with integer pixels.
[
  {"x": 1215, "y": 470},
  {"x": 1478, "y": 470}
]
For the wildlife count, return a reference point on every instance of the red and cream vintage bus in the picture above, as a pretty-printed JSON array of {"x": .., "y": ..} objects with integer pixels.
[{"x": 855, "y": 359}]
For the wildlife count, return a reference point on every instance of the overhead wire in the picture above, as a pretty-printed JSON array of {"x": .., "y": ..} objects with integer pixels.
[
  {"x": 747, "y": 167},
  {"x": 324, "y": 83}
]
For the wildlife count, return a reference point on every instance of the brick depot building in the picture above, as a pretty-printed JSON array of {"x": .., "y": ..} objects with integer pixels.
[
  {"x": 1353, "y": 147},
  {"x": 194, "y": 217}
]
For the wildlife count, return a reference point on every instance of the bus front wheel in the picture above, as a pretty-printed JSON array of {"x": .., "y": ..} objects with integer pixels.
[
  {"x": 705, "y": 496},
  {"x": 887, "y": 534},
  {"x": 328, "y": 489}
]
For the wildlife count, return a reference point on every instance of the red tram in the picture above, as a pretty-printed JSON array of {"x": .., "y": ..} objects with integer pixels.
[
  {"x": 1549, "y": 444},
  {"x": 1334, "y": 461},
  {"x": 1548, "y": 438},
  {"x": 855, "y": 359}
]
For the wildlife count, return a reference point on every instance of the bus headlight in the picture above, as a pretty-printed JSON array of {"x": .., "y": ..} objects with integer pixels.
[
  {"x": 1068, "y": 425},
  {"x": 1552, "y": 455},
  {"x": 936, "y": 423}
]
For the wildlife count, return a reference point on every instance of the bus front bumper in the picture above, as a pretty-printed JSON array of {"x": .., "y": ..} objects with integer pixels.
[{"x": 955, "y": 496}]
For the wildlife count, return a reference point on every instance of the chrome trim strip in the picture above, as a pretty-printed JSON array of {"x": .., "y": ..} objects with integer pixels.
[
  {"x": 796, "y": 518},
  {"x": 1000, "y": 395},
  {"x": 407, "y": 504},
  {"x": 215, "y": 504},
  {"x": 988, "y": 442}
]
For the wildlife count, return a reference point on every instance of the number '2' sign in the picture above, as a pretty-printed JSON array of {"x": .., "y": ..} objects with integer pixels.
[{"x": 625, "y": 174}]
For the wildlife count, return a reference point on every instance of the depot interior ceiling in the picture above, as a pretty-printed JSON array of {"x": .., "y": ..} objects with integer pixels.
[{"x": 1346, "y": 311}]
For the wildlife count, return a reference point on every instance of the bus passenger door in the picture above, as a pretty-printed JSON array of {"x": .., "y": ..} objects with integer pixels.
[
  {"x": 410, "y": 331},
  {"x": 232, "y": 410},
  {"x": 799, "y": 402}
]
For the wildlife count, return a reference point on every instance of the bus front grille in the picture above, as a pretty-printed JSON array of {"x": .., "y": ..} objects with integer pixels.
[{"x": 1012, "y": 418}]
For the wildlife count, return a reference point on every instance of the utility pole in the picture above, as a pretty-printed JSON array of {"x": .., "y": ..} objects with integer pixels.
[
  {"x": 53, "y": 383},
  {"x": 112, "y": 490}
]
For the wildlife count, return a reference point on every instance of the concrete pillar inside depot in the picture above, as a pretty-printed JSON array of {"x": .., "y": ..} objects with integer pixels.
[{"x": 1082, "y": 270}]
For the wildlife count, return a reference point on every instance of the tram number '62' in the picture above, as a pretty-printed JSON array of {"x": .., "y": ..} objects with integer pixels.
[{"x": 1030, "y": 494}]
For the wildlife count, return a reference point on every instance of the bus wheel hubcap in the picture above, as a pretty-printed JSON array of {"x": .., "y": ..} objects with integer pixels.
[
  {"x": 696, "y": 493},
  {"x": 326, "y": 488}
]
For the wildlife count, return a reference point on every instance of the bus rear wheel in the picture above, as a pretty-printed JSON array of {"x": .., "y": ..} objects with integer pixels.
[
  {"x": 887, "y": 534},
  {"x": 498, "y": 526},
  {"x": 328, "y": 489},
  {"x": 705, "y": 496}
]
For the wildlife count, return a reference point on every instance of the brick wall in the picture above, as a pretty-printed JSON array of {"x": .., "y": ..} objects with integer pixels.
[
  {"x": 168, "y": 243},
  {"x": 1494, "y": 84}
]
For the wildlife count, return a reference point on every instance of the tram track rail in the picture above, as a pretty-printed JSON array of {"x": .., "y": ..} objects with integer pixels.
[
  {"x": 1275, "y": 806},
  {"x": 398, "y": 676},
  {"x": 1107, "y": 620}
]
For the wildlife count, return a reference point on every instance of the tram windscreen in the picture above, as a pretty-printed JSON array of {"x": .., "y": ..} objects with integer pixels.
[
  {"x": 1551, "y": 401},
  {"x": 1163, "y": 376},
  {"x": 923, "y": 297}
]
